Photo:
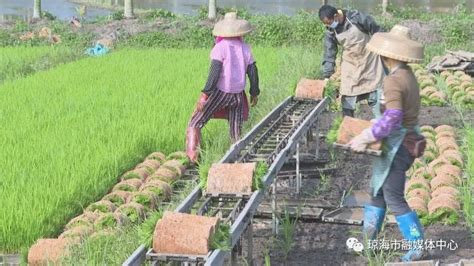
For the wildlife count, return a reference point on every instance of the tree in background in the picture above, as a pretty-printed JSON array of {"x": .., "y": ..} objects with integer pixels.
[
  {"x": 37, "y": 9},
  {"x": 128, "y": 9},
  {"x": 212, "y": 9},
  {"x": 384, "y": 6}
]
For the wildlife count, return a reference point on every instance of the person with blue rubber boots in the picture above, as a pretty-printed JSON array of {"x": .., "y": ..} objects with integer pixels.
[{"x": 396, "y": 125}]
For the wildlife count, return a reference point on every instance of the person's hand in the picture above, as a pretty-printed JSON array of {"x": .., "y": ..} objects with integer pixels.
[
  {"x": 201, "y": 102},
  {"x": 360, "y": 142},
  {"x": 253, "y": 101}
]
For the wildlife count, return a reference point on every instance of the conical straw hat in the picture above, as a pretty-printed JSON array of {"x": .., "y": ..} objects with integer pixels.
[
  {"x": 230, "y": 26},
  {"x": 396, "y": 44}
]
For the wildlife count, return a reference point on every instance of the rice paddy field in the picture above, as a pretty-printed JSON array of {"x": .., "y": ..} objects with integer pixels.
[{"x": 17, "y": 62}]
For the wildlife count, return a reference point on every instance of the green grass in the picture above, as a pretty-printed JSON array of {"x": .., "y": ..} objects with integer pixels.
[
  {"x": 260, "y": 171},
  {"x": 331, "y": 137},
  {"x": 221, "y": 238},
  {"x": 18, "y": 62},
  {"x": 84, "y": 124},
  {"x": 146, "y": 230},
  {"x": 468, "y": 185}
]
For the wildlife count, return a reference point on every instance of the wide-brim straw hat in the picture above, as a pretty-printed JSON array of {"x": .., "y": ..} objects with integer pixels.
[
  {"x": 230, "y": 26},
  {"x": 397, "y": 45}
]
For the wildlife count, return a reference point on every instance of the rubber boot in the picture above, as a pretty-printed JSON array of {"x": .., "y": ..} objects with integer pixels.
[
  {"x": 411, "y": 229},
  {"x": 347, "y": 112},
  {"x": 193, "y": 140},
  {"x": 373, "y": 220}
]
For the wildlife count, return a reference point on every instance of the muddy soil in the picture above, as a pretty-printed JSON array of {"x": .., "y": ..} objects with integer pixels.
[
  {"x": 316, "y": 243},
  {"x": 424, "y": 32}
]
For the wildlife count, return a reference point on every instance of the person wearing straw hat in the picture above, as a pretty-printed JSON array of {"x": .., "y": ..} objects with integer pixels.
[
  {"x": 397, "y": 127},
  {"x": 224, "y": 95},
  {"x": 361, "y": 70}
]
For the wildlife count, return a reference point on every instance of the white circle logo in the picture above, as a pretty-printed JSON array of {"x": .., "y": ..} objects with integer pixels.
[
  {"x": 358, "y": 247},
  {"x": 351, "y": 241}
]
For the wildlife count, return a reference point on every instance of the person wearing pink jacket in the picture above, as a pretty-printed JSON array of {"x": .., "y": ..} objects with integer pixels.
[{"x": 224, "y": 95}]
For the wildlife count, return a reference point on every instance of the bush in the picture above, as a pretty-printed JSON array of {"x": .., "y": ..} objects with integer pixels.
[
  {"x": 241, "y": 12},
  {"x": 159, "y": 13},
  {"x": 47, "y": 15}
]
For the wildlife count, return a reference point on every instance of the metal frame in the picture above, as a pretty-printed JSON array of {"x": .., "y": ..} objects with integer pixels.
[
  {"x": 286, "y": 147},
  {"x": 217, "y": 256}
]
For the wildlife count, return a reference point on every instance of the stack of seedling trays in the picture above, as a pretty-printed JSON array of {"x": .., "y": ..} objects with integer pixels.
[
  {"x": 430, "y": 93},
  {"x": 432, "y": 187},
  {"x": 140, "y": 192},
  {"x": 460, "y": 88}
]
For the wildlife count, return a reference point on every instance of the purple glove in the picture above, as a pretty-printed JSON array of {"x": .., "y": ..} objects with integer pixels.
[{"x": 391, "y": 120}]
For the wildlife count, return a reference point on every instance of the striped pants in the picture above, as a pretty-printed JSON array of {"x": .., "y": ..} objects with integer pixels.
[{"x": 217, "y": 101}]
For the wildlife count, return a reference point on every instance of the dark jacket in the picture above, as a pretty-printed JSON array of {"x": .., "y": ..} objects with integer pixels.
[{"x": 364, "y": 23}]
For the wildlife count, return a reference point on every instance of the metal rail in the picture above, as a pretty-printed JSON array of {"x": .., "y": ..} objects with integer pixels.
[{"x": 274, "y": 140}]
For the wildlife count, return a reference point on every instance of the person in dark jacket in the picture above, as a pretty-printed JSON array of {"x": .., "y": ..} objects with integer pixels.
[{"x": 361, "y": 70}]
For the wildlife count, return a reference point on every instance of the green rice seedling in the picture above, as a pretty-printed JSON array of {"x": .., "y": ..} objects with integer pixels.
[
  {"x": 166, "y": 174},
  {"x": 118, "y": 197},
  {"x": 160, "y": 157},
  {"x": 176, "y": 166},
  {"x": 99, "y": 246},
  {"x": 468, "y": 184},
  {"x": 146, "y": 230},
  {"x": 128, "y": 185},
  {"x": 149, "y": 165},
  {"x": 161, "y": 189},
  {"x": 288, "y": 225},
  {"x": 444, "y": 215},
  {"x": 19, "y": 62},
  {"x": 145, "y": 198},
  {"x": 260, "y": 171},
  {"x": 86, "y": 219},
  {"x": 139, "y": 173},
  {"x": 101, "y": 206},
  {"x": 221, "y": 238},
  {"x": 110, "y": 221},
  {"x": 180, "y": 156},
  {"x": 324, "y": 184},
  {"x": 267, "y": 259},
  {"x": 130, "y": 175},
  {"x": 203, "y": 172},
  {"x": 331, "y": 137},
  {"x": 135, "y": 212}
]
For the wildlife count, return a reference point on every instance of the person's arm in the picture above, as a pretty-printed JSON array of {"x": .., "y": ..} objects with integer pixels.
[
  {"x": 393, "y": 116},
  {"x": 392, "y": 119},
  {"x": 330, "y": 52},
  {"x": 252, "y": 73},
  {"x": 213, "y": 78},
  {"x": 367, "y": 23}
]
